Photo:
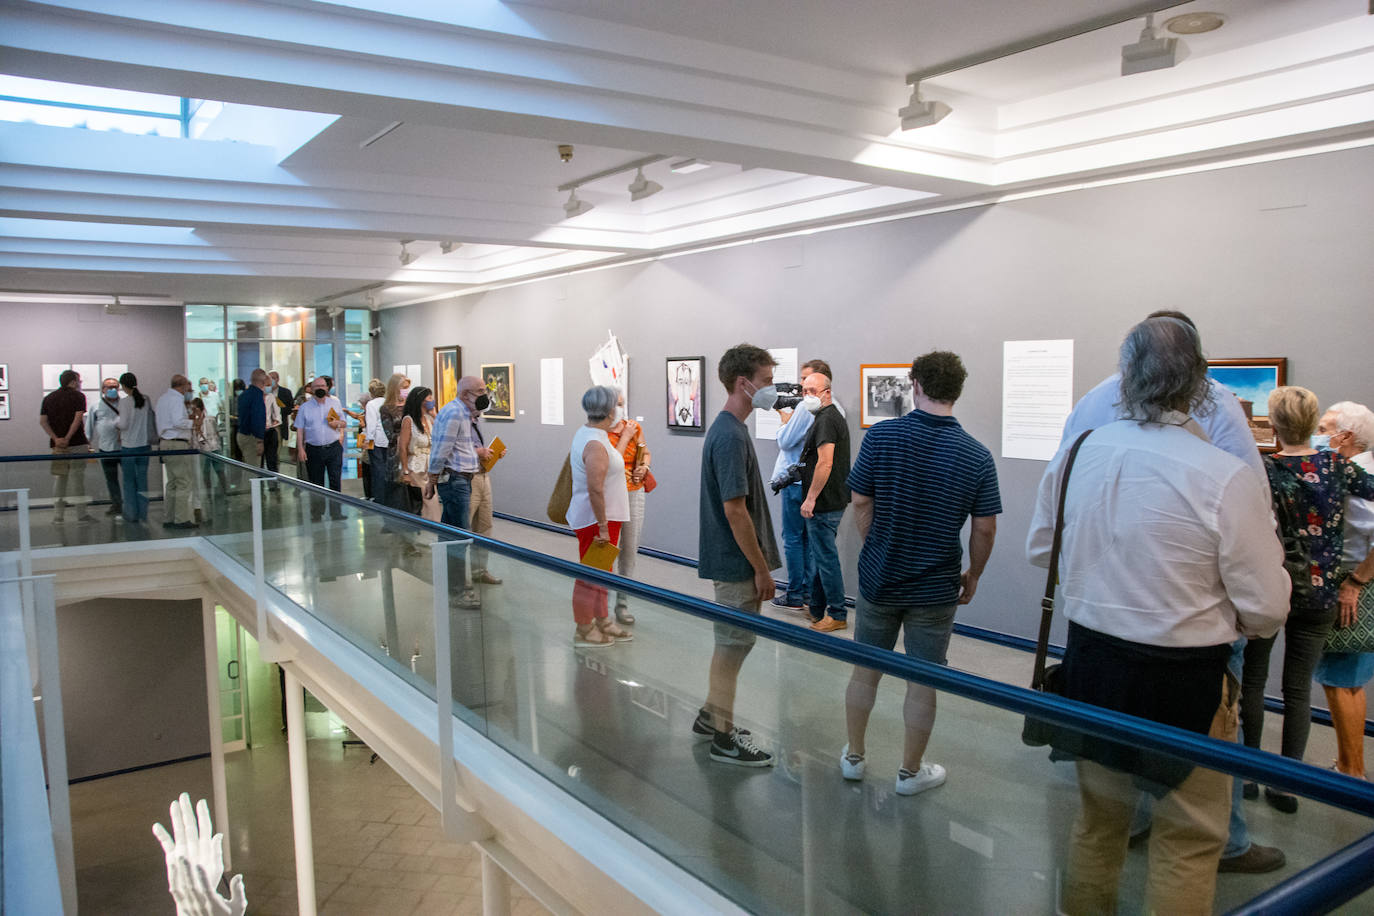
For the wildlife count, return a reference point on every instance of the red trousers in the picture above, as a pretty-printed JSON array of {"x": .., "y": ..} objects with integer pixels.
[{"x": 589, "y": 600}]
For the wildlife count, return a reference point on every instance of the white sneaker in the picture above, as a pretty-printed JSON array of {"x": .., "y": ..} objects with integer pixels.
[
  {"x": 851, "y": 765},
  {"x": 928, "y": 776}
]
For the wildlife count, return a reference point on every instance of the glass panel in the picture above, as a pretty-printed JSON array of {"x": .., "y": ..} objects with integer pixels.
[
  {"x": 247, "y": 322},
  {"x": 57, "y": 116},
  {"x": 322, "y": 361},
  {"x": 231, "y": 703},
  {"x": 226, "y": 640},
  {"x": 357, "y": 372},
  {"x": 205, "y": 322},
  {"x": 75, "y": 94},
  {"x": 291, "y": 324},
  {"x": 357, "y": 324},
  {"x": 231, "y": 730}
]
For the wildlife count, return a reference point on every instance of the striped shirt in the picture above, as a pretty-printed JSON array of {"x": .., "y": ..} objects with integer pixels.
[
  {"x": 926, "y": 476},
  {"x": 453, "y": 445}
]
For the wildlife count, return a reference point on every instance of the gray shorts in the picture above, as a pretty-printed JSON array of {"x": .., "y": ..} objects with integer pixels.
[
  {"x": 741, "y": 596},
  {"x": 927, "y": 627}
]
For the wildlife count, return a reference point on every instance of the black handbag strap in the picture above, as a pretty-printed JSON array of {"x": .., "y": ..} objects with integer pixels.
[{"x": 1042, "y": 646}]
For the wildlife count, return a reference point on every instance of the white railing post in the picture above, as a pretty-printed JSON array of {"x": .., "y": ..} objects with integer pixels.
[
  {"x": 495, "y": 888},
  {"x": 54, "y": 735},
  {"x": 300, "y": 795},
  {"x": 268, "y": 647},
  {"x": 217, "y": 777},
  {"x": 443, "y": 690}
]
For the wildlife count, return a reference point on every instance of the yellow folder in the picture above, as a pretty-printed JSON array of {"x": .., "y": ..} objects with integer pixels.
[
  {"x": 498, "y": 451},
  {"x": 602, "y": 555}
]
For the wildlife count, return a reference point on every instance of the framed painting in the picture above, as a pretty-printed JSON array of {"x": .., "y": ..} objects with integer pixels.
[
  {"x": 500, "y": 381},
  {"x": 448, "y": 369},
  {"x": 1252, "y": 380},
  {"x": 686, "y": 409},
  {"x": 886, "y": 391}
]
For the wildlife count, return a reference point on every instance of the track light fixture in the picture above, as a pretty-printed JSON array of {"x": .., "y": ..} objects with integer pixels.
[
  {"x": 688, "y": 166},
  {"x": 574, "y": 206},
  {"x": 642, "y": 187},
  {"x": 1151, "y": 52},
  {"x": 406, "y": 257},
  {"x": 449, "y": 247},
  {"x": 920, "y": 113}
]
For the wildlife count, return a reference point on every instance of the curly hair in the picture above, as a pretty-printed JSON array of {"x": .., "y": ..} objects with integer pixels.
[
  {"x": 1162, "y": 370},
  {"x": 940, "y": 374},
  {"x": 742, "y": 360}
]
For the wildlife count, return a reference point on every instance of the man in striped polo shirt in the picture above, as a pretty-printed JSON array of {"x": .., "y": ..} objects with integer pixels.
[{"x": 917, "y": 479}]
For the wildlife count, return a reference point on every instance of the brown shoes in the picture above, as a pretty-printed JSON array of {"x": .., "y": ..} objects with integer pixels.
[
  {"x": 828, "y": 624},
  {"x": 486, "y": 578}
]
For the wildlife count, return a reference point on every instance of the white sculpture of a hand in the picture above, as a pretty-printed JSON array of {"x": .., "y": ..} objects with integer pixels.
[{"x": 195, "y": 863}]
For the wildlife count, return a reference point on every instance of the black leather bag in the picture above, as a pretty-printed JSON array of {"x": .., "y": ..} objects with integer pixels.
[{"x": 1037, "y": 732}]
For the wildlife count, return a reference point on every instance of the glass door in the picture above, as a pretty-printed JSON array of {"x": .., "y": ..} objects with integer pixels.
[{"x": 233, "y": 706}]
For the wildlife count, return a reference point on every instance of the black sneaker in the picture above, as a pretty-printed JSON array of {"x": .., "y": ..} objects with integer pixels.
[
  {"x": 701, "y": 726},
  {"x": 738, "y": 749}
]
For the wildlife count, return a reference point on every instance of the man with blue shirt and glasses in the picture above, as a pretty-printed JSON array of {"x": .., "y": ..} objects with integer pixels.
[
  {"x": 453, "y": 461},
  {"x": 320, "y": 427},
  {"x": 917, "y": 479},
  {"x": 796, "y": 425}
]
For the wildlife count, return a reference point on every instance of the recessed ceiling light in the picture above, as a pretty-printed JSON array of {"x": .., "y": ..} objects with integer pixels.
[
  {"x": 1195, "y": 23},
  {"x": 687, "y": 166}
]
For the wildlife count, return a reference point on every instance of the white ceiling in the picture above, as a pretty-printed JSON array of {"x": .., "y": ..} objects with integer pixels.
[{"x": 794, "y": 103}]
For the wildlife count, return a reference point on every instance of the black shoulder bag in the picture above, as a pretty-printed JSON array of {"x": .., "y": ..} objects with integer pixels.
[{"x": 1037, "y": 732}]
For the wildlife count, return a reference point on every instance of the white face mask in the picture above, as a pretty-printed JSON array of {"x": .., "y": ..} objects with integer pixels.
[
  {"x": 621, "y": 414},
  {"x": 811, "y": 404},
  {"x": 1322, "y": 442},
  {"x": 764, "y": 398}
]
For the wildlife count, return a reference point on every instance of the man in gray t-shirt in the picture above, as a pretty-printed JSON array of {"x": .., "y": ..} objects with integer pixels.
[{"x": 737, "y": 550}]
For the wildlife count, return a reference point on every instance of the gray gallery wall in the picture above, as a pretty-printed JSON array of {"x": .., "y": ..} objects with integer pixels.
[
  {"x": 149, "y": 338},
  {"x": 133, "y": 683},
  {"x": 1271, "y": 259}
]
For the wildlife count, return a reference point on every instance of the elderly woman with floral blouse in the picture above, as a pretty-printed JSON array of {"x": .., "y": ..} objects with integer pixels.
[{"x": 1309, "y": 489}]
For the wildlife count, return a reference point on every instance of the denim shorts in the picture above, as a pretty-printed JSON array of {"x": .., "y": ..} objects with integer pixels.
[
  {"x": 743, "y": 596},
  {"x": 927, "y": 627}
]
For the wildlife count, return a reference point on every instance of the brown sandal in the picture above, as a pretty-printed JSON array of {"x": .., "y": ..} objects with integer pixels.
[
  {"x": 582, "y": 638},
  {"x": 612, "y": 629}
]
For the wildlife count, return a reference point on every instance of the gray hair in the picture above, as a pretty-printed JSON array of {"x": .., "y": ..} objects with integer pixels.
[
  {"x": 1356, "y": 419},
  {"x": 1162, "y": 369},
  {"x": 599, "y": 401}
]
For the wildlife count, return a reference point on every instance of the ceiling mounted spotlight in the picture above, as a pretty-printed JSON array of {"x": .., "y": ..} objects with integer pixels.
[
  {"x": 688, "y": 166},
  {"x": 920, "y": 113},
  {"x": 1151, "y": 52},
  {"x": 642, "y": 187},
  {"x": 575, "y": 206},
  {"x": 406, "y": 257},
  {"x": 449, "y": 247},
  {"x": 1195, "y": 23}
]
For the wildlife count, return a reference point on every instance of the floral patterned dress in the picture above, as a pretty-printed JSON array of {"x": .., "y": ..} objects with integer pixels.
[{"x": 1309, "y": 500}]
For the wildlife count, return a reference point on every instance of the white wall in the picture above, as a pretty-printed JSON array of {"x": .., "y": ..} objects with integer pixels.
[{"x": 1271, "y": 259}]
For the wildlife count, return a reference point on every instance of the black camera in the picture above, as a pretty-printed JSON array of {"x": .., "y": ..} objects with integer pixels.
[
  {"x": 789, "y": 395},
  {"x": 788, "y": 477}
]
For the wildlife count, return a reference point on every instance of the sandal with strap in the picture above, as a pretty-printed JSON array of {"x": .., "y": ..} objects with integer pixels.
[
  {"x": 610, "y": 628},
  {"x": 582, "y": 638}
]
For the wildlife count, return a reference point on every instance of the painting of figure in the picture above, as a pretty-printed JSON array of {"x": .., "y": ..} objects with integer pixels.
[
  {"x": 685, "y": 410},
  {"x": 500, "y": 381}
]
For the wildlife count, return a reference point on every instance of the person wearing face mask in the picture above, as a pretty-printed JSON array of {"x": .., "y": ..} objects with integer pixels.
[
  {"x": 320, "y": 425},
  {"x": 796, "y": 425},
  {"x": 103, "y": 421},
  {"x": 479, "y": 504},
  {"x": 136, "y": 429},
  {"x": 209, "y": 396},
  {"x": 380, "y": 458},
  {"x": 174, "y": 429},
  {"x": 627, "y": 437},
  {"x": 417, "y": 427},
  {"x": 453, "y": 462},
  {"x": 1310, "y": 489},
  {"x": 825, "y": 476},
  {"x": 1348, "y": 429},
  {"x": 736, "y": 547}
]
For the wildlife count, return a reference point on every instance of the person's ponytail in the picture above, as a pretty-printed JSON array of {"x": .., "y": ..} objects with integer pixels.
[{"x": 130, "y": 381}]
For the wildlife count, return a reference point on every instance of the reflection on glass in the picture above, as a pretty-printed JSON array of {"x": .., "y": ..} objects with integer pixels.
[{"x": 204, "y": 322}]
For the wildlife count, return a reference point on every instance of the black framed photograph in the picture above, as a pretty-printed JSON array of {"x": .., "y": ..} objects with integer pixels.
[
  {"x": 886, "y": 391},
  {"x": 686, "y": 409}
]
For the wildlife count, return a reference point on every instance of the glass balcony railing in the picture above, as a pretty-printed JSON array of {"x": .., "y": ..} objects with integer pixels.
[{"x": 613, "y": 727}]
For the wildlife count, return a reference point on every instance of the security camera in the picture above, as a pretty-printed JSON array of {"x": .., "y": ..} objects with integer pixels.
[{"x": 375, "y": 332}]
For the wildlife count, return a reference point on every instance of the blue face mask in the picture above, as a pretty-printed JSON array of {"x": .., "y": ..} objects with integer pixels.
[
  {"x": 111, "y": 393},
  {"x": 429, "y": 405},
  {"x": 1321, "y": 442}
]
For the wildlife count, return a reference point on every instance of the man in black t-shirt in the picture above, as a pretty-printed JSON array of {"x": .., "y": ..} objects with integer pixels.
[
  {"x": 62, "y": 417},
  {"x": 825, "y": 481}
]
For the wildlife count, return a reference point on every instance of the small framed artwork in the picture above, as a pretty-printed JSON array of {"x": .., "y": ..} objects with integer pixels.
[
  {"x": 1252, "y": 380},
  {"x": 4, "y": 405},
  {"x": 886, "y": 391},
  {"x": 500, "y": 381},
  {"x": 4, "y": 377},
  {"x": 686, "y": 409},
  {"x": 448, "y": 369}
]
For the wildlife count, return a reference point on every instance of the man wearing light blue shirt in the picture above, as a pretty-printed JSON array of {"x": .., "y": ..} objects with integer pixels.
[
  {"x": 801, "y": 569},
  {"x": 174, "y": 432},
  {"x": 320, "y": 427}
]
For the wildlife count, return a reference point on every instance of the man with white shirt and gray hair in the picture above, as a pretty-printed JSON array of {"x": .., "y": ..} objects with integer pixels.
[{"x": 1168, "y": 555}]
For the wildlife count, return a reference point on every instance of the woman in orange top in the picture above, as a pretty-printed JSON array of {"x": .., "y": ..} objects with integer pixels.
[{"x": 628, "y": 438}]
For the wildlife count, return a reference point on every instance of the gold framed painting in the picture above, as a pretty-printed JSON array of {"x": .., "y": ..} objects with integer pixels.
[
  {"x": 500, "y": 381},
  {"x": 448, "y": 369}
]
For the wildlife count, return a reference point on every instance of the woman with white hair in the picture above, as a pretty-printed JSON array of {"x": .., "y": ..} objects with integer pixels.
[
  {"x": 1348, "y": 429},
  {"x": 600, "y": 506}
]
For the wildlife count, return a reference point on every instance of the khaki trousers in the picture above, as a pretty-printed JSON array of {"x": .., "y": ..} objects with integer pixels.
[
  {"x": 1186, "y": 838},
  {"x": 629, "y": 545},
  {"x": 180, "y": 473},
  {"x": 69, "y": 481},
  {"x": 479, "y": 516}
]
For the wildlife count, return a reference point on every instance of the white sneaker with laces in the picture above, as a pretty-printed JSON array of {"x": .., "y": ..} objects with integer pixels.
[
  {"x": 928, "y": 776},
  {"x": 851, "y": 765}
]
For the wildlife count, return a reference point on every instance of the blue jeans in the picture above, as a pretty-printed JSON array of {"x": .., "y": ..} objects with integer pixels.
[
  {"x": 827, "y": 585},
  {"x": 1238, "y": 834},
  {"x": 454, "y": 495},
  {"x": 379, "y": 468},
  {"x": 800, "y": 567},
  {"x": 135, "y": 486}
]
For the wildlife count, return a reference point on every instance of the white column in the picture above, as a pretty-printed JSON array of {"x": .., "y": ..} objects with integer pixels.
[
  {"x": 495, "y": 888},
  {"x": 220, "y": 785},
  {"x": 54, "y": 734},
  {"x": 300, "y": 795}
]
